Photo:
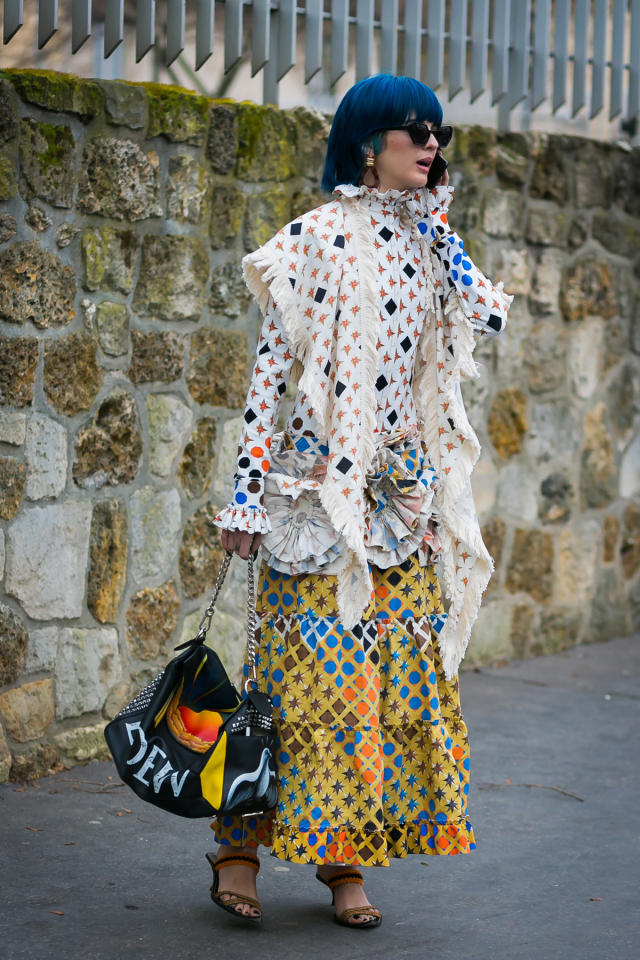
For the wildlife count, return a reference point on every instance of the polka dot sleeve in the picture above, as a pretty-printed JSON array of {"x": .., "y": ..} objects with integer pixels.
[
  {"x": 484, "y": 304},
  {"x": 268, "y": 383}
]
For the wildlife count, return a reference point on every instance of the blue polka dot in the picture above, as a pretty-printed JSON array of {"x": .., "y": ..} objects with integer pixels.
[
  {"x": 321, "y": 850},
  {"x": 287, "y": 599},
  {"x": 467, "y": 280},
  {"x": 388, "y": 749},
  {"x": 320, "y": 654},
  {"x": 398, "y": 761},
  {"x": 272, "y": 599},
  {"x": 304, "y": 824},
  {"x": 348, "y": 668},
  {"x": 454, "y": 274},
  {"x": 395, "y": 603},
  {"x": 359, "y": 656},
  {"x": 241, "y": 497},
  {"x": 415, "y": 702},
  {"x": 457, "y": 259},
  {"x": 330, "y": 667},
  {"x": 440, "y": 818},
  {"x": 432, "y": 677},
  {"x": 284, "y": 757},
  {"x": 339, "y": 681},
  {"x": 433, "y": 703},
  {"x": 269, "y": 686},
  {"x": 316, "y": 813},
  {"x": 312, "y": 839},
  {"x": 277, "y": 700},
  {"x": 466, "y": 763},
  {"x": 410, "y": 464},
  {"x": 414, "y": 676},
  {"x": 278, "y": 675},
  {"x": 237, "y": 833},
  {"x": 422, "y": 227},
  {"x": 388, "y": 774},
  {"x": 358, "y": 736},
  {"x": 349, "y": 749},
  {"x": 347, "y": 643},
  {"x": 466, "y": 264},
  {"x": 332, "y": 641},
  {"x": 404, "y": 692},
  {"x": 340, "y": 736}
]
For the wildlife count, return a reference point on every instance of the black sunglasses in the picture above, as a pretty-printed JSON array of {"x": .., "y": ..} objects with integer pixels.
[{"x": 420, "y": 133}]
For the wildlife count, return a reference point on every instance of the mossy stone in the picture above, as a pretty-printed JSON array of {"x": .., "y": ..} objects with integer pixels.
[
  {"x": 222, "y": 142},
  {"x": 125, "y": 104},
  {"x": 218, "y": 367},
  {"x": 8, "y": 182},
  {"x": 227, "y": 210},
  {"x": 46, "y": 162},
  {"x": 507, "y": 423},
  {"x": 156, "y": 357},
  {"x": 200, "y": 553},
  {"x": 8, "y": 112},
  {"x": 60, "y": 92},
  {"x": 119, "y": 180},
  {"x": 267, "y": 144},
  {"x": 312, "y": 134},
  {"x": 12, "y": 479},
  {"x": 173, "y": 276},
  {"x": 35, "y": 286},
  {"x": 265, "y": 214},
  {"x": 18, "y": 361},
  {"x": 110, "y": 258},
  {"x": 109, "y": 449},
  {"x": 196, "y": 465},
  {"x": 179, "y": 115},
  {"x": 72, "y": 376}
]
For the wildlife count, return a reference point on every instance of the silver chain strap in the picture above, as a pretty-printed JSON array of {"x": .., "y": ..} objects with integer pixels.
[{"x": 205, "y": 623}]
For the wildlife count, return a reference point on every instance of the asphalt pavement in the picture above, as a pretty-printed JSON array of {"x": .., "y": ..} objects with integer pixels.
[{"x": 89, "y": 872}]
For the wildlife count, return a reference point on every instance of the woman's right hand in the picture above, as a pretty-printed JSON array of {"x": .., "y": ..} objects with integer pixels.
[{"x": 241, "y": 542}]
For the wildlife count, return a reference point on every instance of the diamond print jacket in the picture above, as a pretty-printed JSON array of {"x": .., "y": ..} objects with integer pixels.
[{"x": 371, "y": 301}]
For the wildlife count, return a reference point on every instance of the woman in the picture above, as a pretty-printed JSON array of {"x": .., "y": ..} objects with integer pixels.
[{"x": 373, "y": 303}]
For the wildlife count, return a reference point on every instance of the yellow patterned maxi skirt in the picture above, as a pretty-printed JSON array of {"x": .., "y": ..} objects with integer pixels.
[{"x": 373, "y": 752}]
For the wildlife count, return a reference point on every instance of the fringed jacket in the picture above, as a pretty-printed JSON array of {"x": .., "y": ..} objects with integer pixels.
[{"x": 321, "y": 274}]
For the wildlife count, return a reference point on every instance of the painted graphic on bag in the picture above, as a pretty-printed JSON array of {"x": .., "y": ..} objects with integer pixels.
[
  {"x": 150, "y": 758},
  {"x": 241, "y": 788}
]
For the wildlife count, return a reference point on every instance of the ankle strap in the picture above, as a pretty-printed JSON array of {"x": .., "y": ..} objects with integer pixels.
[
  {"x": 339, "y": 879},
  {"x": 238, "y": 860}
]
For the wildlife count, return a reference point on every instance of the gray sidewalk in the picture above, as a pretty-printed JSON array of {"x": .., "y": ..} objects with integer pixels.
[{"x": 89, "y": 872}]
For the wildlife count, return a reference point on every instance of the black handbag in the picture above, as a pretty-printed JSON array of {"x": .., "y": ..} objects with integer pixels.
[{"x": 188, "y": 742}]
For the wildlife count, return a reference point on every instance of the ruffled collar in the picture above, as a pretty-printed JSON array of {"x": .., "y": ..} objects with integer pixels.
[{"x": 415, "y": 202}]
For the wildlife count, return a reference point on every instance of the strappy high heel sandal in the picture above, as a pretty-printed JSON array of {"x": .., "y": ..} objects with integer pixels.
[
  {"x": 232, "y": 899},
  {"x": 371, "y": 916}
]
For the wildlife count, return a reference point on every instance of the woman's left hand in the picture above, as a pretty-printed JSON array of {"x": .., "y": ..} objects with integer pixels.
[{"x": 444, "y": 179}]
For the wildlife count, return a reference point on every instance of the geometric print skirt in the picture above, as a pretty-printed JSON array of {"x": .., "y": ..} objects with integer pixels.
[{"x": 372, "y": 752}]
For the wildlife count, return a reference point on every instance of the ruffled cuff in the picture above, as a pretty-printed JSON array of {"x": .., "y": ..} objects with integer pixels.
[{"x": 246, "y": 519}]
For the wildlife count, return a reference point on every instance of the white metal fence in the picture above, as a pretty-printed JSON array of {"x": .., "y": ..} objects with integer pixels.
[{"x": 582, "y": 52}]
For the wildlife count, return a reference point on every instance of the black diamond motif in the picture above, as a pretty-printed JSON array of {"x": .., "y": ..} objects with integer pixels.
[
  {"x": 386, "y": 234},
  {"x": 494, "y": 322},
  {"x": 327, "y": 368},
  {"x": 393, "y": 416},
  {"x": 296, "y": 229},
  {"x": 406, "y": 343},
  {"x": 292, "y": 281},
  {"x": 265, "y": 348},
  {"x": 408, "y": 269},
  {"x": 394, "y": 578},
  {"x": 340, "y": 388},
  {"x": 391, "y": 306},
  {"x": 344, "y": 465},
  {"x": 320, "y": 295},
  {"x": 250, "y": 415},
  {"x": 282, "y": 387},
  {"x": 381, "y": 382},
  {"x": 339, "y": 241},
  {"x": 451, "y": 423}
]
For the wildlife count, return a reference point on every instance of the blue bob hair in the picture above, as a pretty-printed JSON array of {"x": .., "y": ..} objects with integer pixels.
[{"x": 372, "y": 105}]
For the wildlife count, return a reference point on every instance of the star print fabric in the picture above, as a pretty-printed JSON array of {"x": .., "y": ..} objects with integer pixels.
[
  {"x": 373, "y": 751},
  {"x": 403, "y": 309}
]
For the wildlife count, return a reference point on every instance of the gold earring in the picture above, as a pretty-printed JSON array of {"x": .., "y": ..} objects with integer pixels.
[{"x": 370, "y": 160}]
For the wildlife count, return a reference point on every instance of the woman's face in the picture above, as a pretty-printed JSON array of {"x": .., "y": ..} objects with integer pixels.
[{"x": 401, "y": 164}]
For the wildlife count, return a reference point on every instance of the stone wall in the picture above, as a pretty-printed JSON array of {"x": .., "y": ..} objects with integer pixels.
[{"x": 126, "y": 337}]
